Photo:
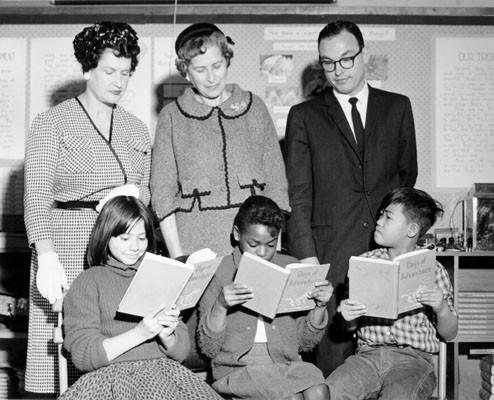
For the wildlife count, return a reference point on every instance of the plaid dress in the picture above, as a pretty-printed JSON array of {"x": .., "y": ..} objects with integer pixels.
[{"x": 67, "y": 159}]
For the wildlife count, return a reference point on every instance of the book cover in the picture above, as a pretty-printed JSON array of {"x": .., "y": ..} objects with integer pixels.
[
  {"x": 159, "y": 280},
  {"x": 389, "y": 288},
  {"x": 485, "y": 395},
  {"x": 374, "y": 283},
  {"x": 301, "y": 281},
  {"x": 277, "y": 289},
  {"x": 197, "y": 283},
  {"x": 487, "y": 364},
  {"x": 266, "y": 279},
  {"x": 162, "y": 280}
]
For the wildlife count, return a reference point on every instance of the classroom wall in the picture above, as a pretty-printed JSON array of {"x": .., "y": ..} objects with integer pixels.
[{"x": 278, "y": 62}]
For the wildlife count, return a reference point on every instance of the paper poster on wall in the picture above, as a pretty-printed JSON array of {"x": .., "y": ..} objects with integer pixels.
[
  {"x": 56, "y": 76},
  {"x": 311, "y": 33},
  {"x": 291, "y": 72},
  {"x": 464, "y": 111},
  {"x": 12, "y": 97}
]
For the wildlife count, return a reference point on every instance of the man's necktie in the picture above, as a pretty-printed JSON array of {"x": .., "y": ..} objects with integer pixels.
[{"x": 357, "y": 125}]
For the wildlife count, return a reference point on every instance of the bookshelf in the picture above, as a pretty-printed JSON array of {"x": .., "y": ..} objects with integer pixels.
[{"x": 472, "y": 275}]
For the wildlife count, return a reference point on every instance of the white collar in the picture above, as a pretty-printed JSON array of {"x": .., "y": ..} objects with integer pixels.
[{"x": 362, "y": 96}]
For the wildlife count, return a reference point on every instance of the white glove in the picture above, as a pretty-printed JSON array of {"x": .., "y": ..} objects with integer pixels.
[
  {"x": 125, "y": 190},
  {"x": 200, "y": 255},
  {"x": 51, "y": 277}
]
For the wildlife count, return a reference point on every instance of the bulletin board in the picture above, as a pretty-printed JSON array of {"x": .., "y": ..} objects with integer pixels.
[{"x": 278, "y": 62}]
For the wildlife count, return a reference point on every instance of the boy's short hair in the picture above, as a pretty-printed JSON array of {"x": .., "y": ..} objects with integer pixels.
[
  {"x": 418, "y": 206},
  {"x": 260, "y": 210}
]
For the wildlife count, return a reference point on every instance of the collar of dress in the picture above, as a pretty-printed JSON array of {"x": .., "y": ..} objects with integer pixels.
[{"x": 237, "y": 104}]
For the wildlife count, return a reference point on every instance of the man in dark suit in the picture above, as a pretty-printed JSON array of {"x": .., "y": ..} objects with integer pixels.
[{"x": 342, "y": 156}]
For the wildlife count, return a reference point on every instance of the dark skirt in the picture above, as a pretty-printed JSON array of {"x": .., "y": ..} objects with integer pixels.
[
  {"x": 155, "y": 379},
  {"x": 262, "y": 378}
]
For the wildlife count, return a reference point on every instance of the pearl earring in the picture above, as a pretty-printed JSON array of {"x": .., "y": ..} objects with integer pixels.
[{"x": 86, "y": 75}]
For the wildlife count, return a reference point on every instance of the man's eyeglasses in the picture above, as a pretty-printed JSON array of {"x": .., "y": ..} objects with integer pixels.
[{"x": 345, "y": 62}]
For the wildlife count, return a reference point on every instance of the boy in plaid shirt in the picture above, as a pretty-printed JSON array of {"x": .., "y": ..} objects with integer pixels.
[{"x": 393, "y": 360}]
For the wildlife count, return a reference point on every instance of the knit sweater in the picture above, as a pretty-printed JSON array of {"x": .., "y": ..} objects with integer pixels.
[
  {"x": 214, "y": 158},
  {"x": 287, "y": 334},
  {"x": 90, "y": 317}
]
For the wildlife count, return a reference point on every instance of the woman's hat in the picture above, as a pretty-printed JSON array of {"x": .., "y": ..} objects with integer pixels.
[{"x": 195, "y": 31}]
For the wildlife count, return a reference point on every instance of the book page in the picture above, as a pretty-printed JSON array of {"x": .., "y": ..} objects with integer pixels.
[
  {"x": 197, "y": 283},
  {"x": 301, "y": 281},
  {"x": 417, "y": 272}
]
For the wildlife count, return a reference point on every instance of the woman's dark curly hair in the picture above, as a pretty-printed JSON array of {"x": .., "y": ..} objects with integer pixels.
[{"x": 90, "y": 43}]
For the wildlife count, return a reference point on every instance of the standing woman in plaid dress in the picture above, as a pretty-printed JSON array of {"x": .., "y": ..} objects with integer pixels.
[{"x": 79, "y": 154}]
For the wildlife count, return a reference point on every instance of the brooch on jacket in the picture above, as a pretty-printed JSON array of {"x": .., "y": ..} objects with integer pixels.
[{"x": 238, "y": 106}]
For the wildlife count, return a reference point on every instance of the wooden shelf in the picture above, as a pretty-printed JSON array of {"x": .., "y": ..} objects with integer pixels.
[
  {"x": 473, "y": 283},
  {"x": 450, "y": 253},
  {"x": 41, "y": 11}
]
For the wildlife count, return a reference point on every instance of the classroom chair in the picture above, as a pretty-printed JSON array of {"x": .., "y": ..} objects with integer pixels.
[
  {"x": 58, "y": 340},
  {"x": 441, "y": 373}
]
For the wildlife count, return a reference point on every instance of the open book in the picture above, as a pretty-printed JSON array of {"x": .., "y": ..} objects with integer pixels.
[
  {"x": 389, "y": 288},
  {"x": 276, "y": 289},
  {"x": 162, "y": 280}
]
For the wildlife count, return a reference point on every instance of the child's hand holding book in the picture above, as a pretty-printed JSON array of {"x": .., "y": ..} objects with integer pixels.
[
  {"x": 321, "y": 293},
  {"x": 352, "y": 309},
  {"x": 432, "y": 298},
  {"x": 158, "y": 322},
  {"x": 168, "y": 320},
  {"x": 234, "y": 294}
]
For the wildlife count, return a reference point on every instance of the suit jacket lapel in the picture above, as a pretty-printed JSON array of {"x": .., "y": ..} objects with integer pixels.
[{"x": 338, "y": 116}]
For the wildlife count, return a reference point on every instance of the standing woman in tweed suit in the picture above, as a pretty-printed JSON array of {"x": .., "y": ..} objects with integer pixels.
[
  {"x": 215, "y": 146},
  {"x": 79, "y": 154}
]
